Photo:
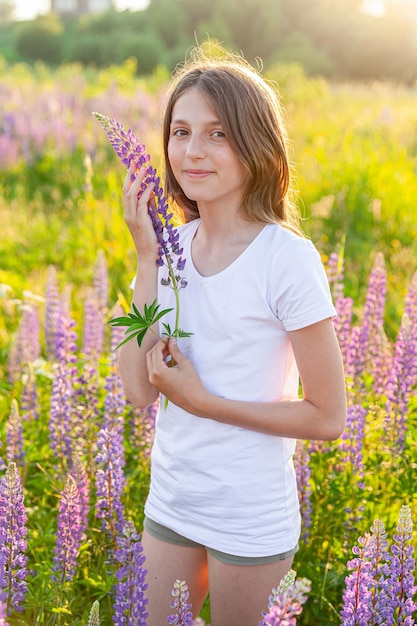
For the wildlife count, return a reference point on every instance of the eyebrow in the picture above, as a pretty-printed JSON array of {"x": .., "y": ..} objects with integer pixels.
[{"x": 214, "y": 122}]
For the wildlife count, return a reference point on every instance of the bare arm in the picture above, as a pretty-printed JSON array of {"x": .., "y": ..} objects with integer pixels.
[
  {"x": 132, "y": 359},
  {"x": 319, "y": 414}
]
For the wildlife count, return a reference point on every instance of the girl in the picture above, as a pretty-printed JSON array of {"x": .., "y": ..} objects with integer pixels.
[{"x": 222, "y": 511}]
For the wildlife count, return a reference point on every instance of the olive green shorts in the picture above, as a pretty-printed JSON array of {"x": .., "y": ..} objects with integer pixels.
[{"x": 165, "y": 534}]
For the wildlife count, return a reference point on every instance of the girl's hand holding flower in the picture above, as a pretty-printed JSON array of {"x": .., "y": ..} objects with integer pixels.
[
  {"x": 180, "y": 384},
  {"x": 136, "y": 201}
]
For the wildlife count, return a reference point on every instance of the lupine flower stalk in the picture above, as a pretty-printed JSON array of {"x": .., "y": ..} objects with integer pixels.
[
  {"x": 14, "y": 435},
  {"x": 93, "y": 326},
  {"x": 182, "y": 615},
  {"x": 94, "y": 617},
  {"x": 142, "y": 427},
  {"x": 110, "y": 481},
  {"x": 403, "y": 375},
  {"x": 30, "y": 400},
  {"x": 26, "y": 347},
  {"x": 128, "y": 148},
  {"x": 52, "y": 311},
  {"x": 13, "y": 539},
  {"x": 381, "y": 586},
  {"x": 303, "y": 475},
  {"x": 63, "y": 390},
  {"x": 69, "y": 533},
  {"x": 286, "y": 601},
  {"x": 370, "y": 336},
  {"x": 398, "y": 587},
  {"x": 130, "y": 601},
  {"x": 79, "y": 474}
]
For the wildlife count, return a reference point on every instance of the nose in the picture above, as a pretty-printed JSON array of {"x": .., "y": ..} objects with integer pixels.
[{"x": 195, "y": 147}]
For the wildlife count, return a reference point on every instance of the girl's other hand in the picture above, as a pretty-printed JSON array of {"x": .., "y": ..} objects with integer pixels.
[{"x": 136, "y": 212}]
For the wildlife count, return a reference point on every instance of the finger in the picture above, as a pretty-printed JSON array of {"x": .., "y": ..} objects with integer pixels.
[{"x": 175, "y": 352}]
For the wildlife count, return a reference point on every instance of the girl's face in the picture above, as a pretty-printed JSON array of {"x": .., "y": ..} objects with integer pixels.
[{"x": 203, "y": 163}]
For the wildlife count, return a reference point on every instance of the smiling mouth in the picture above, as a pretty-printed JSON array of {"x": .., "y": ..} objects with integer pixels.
[{"x": 197, "y": 173}]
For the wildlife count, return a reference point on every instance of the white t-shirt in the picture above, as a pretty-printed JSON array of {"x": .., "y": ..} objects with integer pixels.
[{"x": 223, "y": 486}]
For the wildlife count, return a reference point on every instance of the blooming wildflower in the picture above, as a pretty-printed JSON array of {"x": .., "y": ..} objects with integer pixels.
[
  {"x": 14, "y": 435},
  {"x": 29, "y": 398},
  {"x": 62, "y": 401},
  {"x": 183, "y": 615},
  {"x": 343, "y": 327},
  {"x": 334, "y": 271},
  {"x": 352, "y": 440},
  {"x": 79, "y": 474},
  {"x": 52, "y": 311},
  {"x": 357, "y": 595},
  {"x": 371, "y": 331},
  {"x": 94, "y": 617},
  {"x": 110, "y": 481},
  {"x": 142, "y": 427},
  {"x": 13, "y": 538},
  {"x": 129, "y": 149},
  {"x": 403, "y": 375},
  {"x": 381, "y": 586},
  {"x": 68, "y": 537},
  {"x": 93, "y": 328},
  {"x": 398, "y": 588},
  {"x": 130, "y": 602},
  {"x": 26, "y": 347},
  {"x": 286, "y": 601},
  {"x": 100, "y": 280},
  {"x": 303, "y": 475},
  {"x": 115, "y": 399}
]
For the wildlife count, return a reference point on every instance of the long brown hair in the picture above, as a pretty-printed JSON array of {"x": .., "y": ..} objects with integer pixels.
[{"x": 250, "y": 112}]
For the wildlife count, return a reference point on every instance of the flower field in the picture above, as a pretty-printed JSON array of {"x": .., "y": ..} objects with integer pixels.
[{"x": 74, "y": 465}]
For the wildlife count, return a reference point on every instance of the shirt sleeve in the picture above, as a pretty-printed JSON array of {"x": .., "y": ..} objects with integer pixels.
[{"x": 301, "y": 293}]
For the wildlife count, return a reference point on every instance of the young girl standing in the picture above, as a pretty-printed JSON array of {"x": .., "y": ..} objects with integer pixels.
[{"x": 222, "y": 511}]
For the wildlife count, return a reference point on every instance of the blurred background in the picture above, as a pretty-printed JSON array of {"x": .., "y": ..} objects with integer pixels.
[{"x": 338, "y": 39}]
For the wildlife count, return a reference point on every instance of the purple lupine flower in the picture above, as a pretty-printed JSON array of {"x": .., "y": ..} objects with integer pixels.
[
  {"x": 343, "y": 327},
  {"x": 110, "y": 481},
  {"x": 403, "y": 376},
  {"x": 68, "y": 537},
  {"x": 3, "y": 614},
  {"x": 62, "y": 400},
  {"x": 52, "y": 311},
  {"x": 115, "y": 399},
  {"x": 303, "y": 475},
  {"x": 381, "y": 587},
  {"x": 130, "y": 601},
  {"x": 352, "y": 439},
  {"x": 142, "y": 428},
  {"x": 93, "y": 329},
  {"x": 13, "y": 538},
  {"x": 79, "y": 474},
  {"x": 26, "y": 347},
  {"x": 86, "y": 411},
  {"x": 396, "y": 605},
  {"x": 29, "y": 398},
  {"x": 14, "y": 435},
  {"x": 128, "y": 148},
  {"x": 286, "y": 601},
  {"x": 334, "y": 271},
  {"x": 183, "y": 615},
  {"x": 357, "y": 607},
  {"x": 371, "y": 331},
  {"x": 100, "y": 280}
]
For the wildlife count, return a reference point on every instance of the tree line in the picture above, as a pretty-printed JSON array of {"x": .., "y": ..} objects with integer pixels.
[{"x": 334, "y": 39}]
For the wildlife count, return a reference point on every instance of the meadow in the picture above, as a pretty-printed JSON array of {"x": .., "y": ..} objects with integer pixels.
[{"x": 75, "y": 456}]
